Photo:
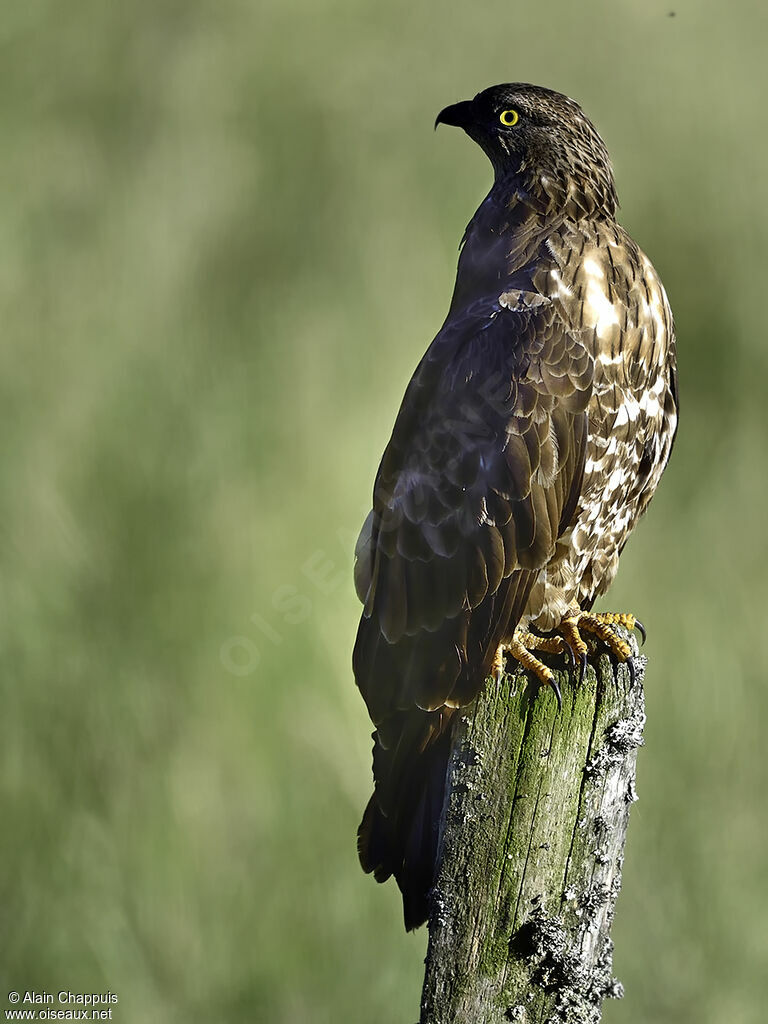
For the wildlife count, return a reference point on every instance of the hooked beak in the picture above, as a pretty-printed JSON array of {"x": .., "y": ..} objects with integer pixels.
[{"x": 460, "y": 115}]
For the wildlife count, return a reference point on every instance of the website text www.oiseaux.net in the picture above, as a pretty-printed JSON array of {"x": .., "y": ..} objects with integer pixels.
[{"x": 62, "y": 1005}]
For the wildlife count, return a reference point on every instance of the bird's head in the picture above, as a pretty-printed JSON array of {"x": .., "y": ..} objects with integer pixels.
[{"x": 543, "y": 140}]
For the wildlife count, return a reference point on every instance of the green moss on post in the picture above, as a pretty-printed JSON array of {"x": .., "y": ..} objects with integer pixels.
[{"x": 534, "y": 827}]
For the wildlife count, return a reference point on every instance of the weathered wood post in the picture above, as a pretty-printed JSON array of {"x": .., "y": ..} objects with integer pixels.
[{"x": 534, "y": 825}]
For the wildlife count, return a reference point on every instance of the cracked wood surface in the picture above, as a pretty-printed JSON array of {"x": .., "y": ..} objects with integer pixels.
[{"x": 534, "y": 827}]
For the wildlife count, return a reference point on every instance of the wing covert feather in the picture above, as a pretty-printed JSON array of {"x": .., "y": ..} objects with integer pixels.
[{"x": 481, "y": 475}]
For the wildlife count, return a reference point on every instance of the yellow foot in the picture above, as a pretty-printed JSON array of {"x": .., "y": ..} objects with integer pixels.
[
  {"x": 602, "y": 625},
  {"x": 521, "y": 648},
  {"x": 567, "y": 639}
]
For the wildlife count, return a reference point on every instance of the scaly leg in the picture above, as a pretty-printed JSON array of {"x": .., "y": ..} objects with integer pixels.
[
  {"x": 521, "y": 647},
  {"x": 567, "y": 639},
  {"x": 601, "y": 625}
]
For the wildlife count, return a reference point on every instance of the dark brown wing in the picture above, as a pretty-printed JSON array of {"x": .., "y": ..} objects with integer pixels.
[
  {"x": 481, "y": 475},
  {"x": 482, "y": 471}
]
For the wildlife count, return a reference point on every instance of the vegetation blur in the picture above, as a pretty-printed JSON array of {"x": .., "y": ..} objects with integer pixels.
[{"x": 227, "y": 234}]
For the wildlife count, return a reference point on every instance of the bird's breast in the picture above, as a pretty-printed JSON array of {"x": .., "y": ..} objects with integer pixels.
[{"x": 610, "y": 296}]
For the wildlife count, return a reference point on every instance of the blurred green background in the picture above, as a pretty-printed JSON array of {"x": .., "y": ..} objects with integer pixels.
[{"x": 227, "y": 233}]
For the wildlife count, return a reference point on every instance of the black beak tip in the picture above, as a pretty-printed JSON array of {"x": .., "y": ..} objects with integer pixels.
[{"x": 459, "y": 115}]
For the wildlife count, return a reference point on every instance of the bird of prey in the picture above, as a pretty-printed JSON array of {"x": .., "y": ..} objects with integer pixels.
[{"x": 531, "y": 438}]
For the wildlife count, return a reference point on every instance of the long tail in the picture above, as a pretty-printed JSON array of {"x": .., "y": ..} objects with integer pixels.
[{"x": 400, "y": 830}]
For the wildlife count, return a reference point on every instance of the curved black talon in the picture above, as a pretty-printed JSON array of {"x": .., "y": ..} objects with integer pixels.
[
  {"x": 558, "y": 695},
  {"x": 630, "y": 663},
  {"x": 641, "y": 630},
  {"x": 571, "y": 655},
  {"x": 583, "y": 669}
]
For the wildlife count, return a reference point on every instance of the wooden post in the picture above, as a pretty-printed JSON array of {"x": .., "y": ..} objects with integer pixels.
[{"x": 534, "y": 825}]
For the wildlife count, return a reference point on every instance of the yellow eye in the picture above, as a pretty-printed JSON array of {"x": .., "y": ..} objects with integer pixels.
[{"x": 509, "y": 118}]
